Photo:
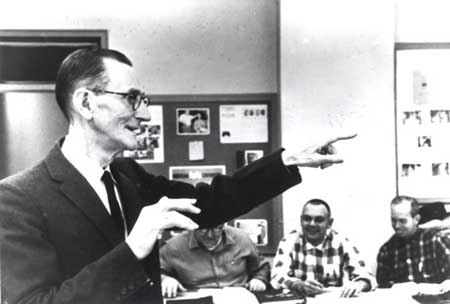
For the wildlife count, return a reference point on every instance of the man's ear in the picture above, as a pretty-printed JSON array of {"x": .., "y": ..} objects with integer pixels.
[
  {"x": 330, "y": 222},
  {"x": 82, "y": 99},
  {"x": 417, "y": 219}
]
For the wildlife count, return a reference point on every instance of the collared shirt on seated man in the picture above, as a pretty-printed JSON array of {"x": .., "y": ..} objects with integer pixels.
[
  {"x": 319, "y": 257},
  {"x": 210, "y": 258},
  {"x": 413, "y": 254}
]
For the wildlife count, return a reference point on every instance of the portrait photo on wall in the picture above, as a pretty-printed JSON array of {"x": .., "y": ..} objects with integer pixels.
[
  {"x": 255, "y": 228},
  {"x": 193, "y": 121},
  {"x": 195, "y": 174},
  {"x": 150, "y": 139},
  {"x": 252, "y": 155}
]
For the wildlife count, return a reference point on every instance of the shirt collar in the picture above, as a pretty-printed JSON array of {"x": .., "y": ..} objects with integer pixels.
[
  {"x": 87, "y": 166},
  {"x": 326, "y": 241}
]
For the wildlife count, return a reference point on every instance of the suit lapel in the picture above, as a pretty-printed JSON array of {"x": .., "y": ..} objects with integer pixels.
[{"x": 75, "y": 187}]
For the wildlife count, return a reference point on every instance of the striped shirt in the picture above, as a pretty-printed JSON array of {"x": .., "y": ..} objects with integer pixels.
[
  {"x": 422, "y": 258},
  {"x": 332, "y": 263}
]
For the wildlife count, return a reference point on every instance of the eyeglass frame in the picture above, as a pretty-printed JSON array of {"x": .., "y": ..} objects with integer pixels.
[
  {"x": 135, "y": 103},
  {"x": 215, "y": 230}
]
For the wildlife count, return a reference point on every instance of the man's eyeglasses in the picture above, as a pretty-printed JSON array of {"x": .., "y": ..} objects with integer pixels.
[
  {"x": 317, "y": 219},
  {"x": 134, "y": 97},
  {"x": 216, "y": 230}
]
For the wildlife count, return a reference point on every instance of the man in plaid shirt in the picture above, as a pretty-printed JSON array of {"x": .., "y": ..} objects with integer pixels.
[
  {"x": 318, "y": 257},
  {"x": 413, "y": 254}
]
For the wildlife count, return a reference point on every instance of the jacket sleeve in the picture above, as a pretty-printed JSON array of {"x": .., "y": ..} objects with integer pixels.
[
  {"x": 228, "y": 196},
  {"x": 32, "y": 273}
]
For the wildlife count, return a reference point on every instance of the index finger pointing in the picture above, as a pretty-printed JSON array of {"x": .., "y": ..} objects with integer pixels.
[{"x": 340, "y": 137}]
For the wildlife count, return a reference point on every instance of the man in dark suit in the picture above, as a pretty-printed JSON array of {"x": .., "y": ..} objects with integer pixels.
[{"x": 82, "y": 225}]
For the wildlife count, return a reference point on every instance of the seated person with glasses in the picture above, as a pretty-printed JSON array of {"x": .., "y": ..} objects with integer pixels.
[
  {"x": 216, "y": 257},
  {"x": 318, "y": 257}
]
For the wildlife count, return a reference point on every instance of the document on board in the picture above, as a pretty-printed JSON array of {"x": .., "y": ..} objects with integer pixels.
[{"x": 246, "y": 123}]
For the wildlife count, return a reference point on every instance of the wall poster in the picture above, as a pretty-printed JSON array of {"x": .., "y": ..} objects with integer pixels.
[
  {"x": 195, "y": 174},
  {"x": 243, "y": 123},
  {"x": 423, "y": 121}
]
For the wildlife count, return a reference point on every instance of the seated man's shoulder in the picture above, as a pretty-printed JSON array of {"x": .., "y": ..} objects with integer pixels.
[
  {"x": 290, "y": 239},
  {"x": 441, "y": 234},
  {"x": 177, "y": 240},
  {"x": 391, "y": 242},
  {"x": 238, "y": 234}
]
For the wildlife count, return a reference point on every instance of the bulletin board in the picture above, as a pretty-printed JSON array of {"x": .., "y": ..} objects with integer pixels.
[
  {"x": 422, "y": 95},
  {"x": 207, "y": 150}
]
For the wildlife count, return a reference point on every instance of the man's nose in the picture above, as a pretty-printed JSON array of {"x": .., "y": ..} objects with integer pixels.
[
  {"x": 210, "y": 233},
  {"x": 142, "y": 113}
]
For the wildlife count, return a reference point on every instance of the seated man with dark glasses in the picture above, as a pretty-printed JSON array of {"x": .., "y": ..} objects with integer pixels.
[
  {"x": 318, "y": 257},
  {"x": 217, "y": 257}
]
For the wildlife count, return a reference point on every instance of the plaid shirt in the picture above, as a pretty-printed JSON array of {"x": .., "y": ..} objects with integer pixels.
[
  {"x": 332, "y": 263},
  {"x": 423, "y": 258}
]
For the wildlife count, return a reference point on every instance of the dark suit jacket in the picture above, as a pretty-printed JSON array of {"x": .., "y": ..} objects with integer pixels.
[{"x": 60, "y": 245}]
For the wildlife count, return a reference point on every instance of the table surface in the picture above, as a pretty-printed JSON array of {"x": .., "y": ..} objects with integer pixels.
[{"x": 239, "y": 295}]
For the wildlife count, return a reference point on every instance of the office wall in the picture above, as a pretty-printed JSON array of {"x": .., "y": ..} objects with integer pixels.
[
  {"x": 178, "y": 47},
  {"x": 337, "y": 73}
]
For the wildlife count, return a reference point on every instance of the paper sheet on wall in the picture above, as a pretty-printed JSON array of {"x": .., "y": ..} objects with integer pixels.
[
  {"x": 196, "y": 150},
  {"x": 243, "y": 123}
]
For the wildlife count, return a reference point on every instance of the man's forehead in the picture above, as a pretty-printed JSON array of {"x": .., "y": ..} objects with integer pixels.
[
  {"x": 403, "y": 207},
  {"x": 315, "y": 209}
]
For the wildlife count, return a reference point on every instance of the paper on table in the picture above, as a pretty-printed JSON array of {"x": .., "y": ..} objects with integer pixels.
[{"x": 227, "y": 295}]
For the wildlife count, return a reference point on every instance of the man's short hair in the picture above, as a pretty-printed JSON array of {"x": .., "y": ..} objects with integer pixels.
[
  {"x": 83, "y": 68},
  {"x": 415, "y": 207},
  {"x": 317, "y": 202}
]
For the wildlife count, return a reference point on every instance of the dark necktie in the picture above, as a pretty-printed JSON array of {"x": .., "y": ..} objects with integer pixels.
[{"x": 113, "y": 203}]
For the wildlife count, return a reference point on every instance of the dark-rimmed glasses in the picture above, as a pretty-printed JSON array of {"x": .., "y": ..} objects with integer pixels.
[
  {"x": 134, "y": 97},
  {"x": 216, "y": 230}
]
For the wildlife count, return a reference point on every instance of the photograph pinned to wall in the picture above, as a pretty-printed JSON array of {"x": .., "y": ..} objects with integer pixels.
[
  {"x": 440, "y": 169},
  {"x": 412, "y": 118},
  {"x": 244, "y": 123},
  {"x": 411, "y": 170},
  {"x": 193, "y": 121},
  {"x": 252, "y": 155},
  {"x": 150, "y": 139},
  {"x": 439, "y": 116},
  {"x": 195, "y": 174},
  {"x": 255, "y": 228},
  {"x": 423, "y": 141}
]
